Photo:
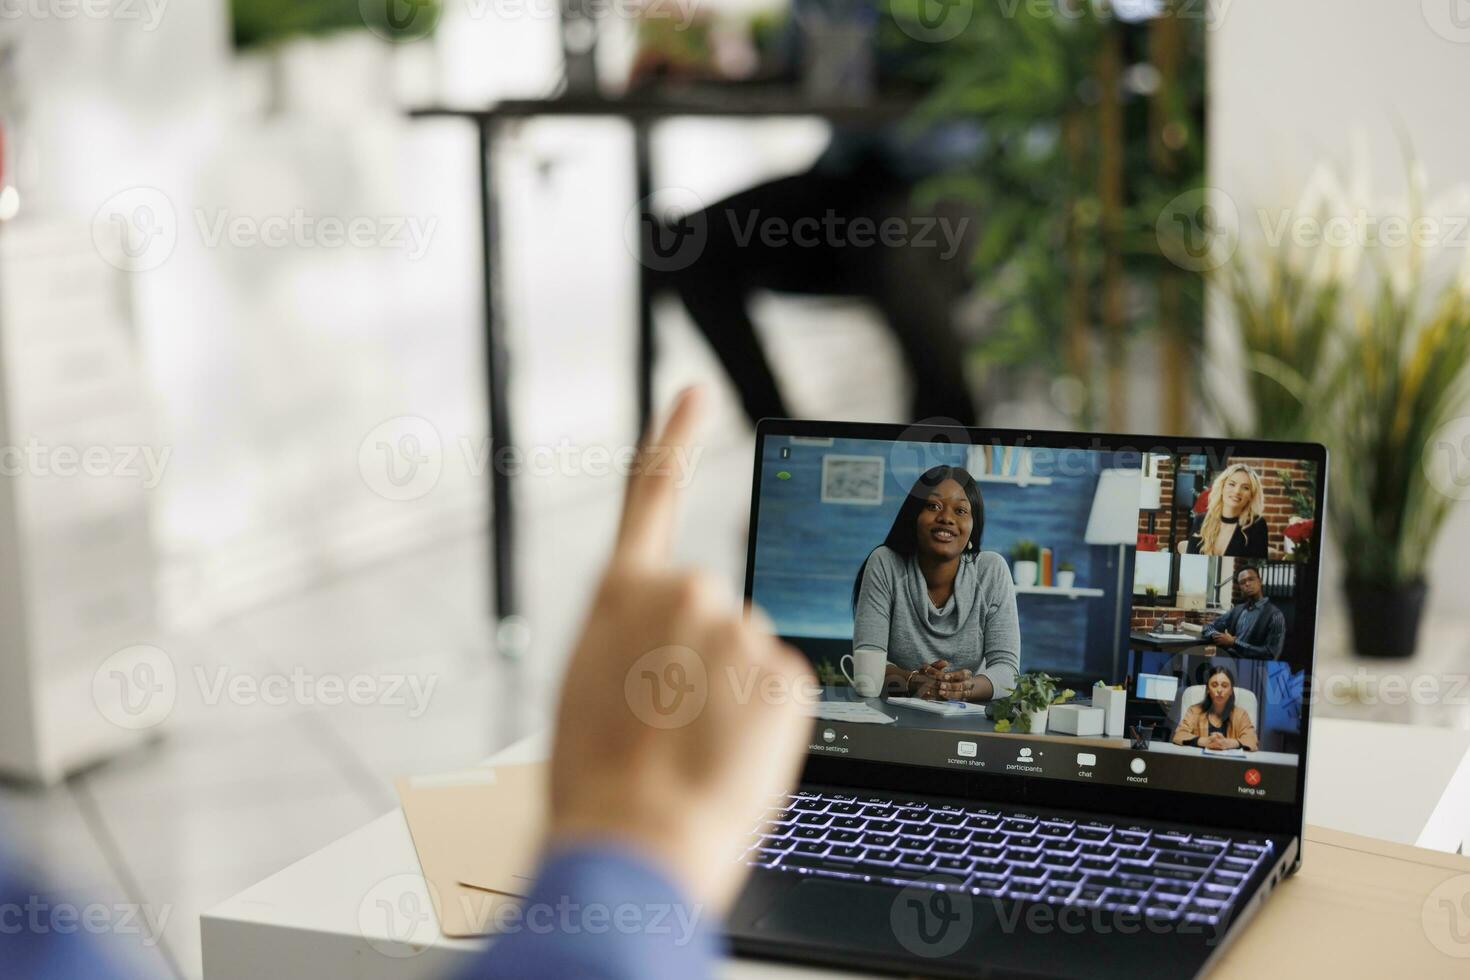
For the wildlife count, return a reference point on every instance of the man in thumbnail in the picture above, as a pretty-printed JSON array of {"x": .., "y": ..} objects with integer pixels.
[
  {"x": 943, "y": 611},
  {"x": 1252, "y": 628},
  {"x": 1217, "y": 723}
]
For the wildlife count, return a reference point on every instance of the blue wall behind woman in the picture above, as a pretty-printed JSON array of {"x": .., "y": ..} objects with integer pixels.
[{"x": 808, "y": 552}]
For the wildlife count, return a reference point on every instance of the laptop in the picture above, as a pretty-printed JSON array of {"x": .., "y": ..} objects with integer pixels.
[{"x": 1135, "y": 826}]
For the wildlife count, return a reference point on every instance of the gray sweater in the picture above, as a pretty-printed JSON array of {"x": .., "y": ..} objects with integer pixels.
[{"x": 977, "y": 629}]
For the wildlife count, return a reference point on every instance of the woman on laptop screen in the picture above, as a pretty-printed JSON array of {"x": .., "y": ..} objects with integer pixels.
[
  {"x": 1234, "y": 521},
  {"x": 942, "y": 610},
  {"x": 1217, "y": 722}
]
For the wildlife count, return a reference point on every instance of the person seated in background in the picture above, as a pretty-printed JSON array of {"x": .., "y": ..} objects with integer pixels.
[
  {"x": 848, "y": 226},
  {"x": 1217, "y": 723},
  {"x": 1253, "y": 627},
  {"x": 943, "y": 610},
  {"x": 1234, "y": 522}
]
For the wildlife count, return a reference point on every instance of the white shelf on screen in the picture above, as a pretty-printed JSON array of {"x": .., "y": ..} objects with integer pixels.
[{"x": 1076, "y": 592}]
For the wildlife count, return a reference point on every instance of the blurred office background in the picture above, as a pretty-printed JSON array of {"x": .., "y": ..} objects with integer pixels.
[{"x": 270, "y": 378}]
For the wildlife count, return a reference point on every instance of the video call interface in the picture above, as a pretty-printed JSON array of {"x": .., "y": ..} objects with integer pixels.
[{"x": 1097, "y": 616}]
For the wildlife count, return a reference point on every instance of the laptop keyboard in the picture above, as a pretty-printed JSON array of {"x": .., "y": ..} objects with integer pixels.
[{"x": 994, "y": 852}]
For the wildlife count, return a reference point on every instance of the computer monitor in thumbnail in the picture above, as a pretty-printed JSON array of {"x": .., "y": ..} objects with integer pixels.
[{"x": 1064, "y": 611}]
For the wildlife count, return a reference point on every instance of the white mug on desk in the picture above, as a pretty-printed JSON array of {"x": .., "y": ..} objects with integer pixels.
[{"x": 869, "y": 664}]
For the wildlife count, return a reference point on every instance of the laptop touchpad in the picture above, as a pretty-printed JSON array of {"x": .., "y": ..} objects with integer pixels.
[{"x": 904, "y": 922}]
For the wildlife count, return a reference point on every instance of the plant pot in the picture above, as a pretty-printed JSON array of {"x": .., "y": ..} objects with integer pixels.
[
  {"x": 1065, "y": 580},
  {"x": 1038, "y": 721},
  {"x": 1385, "y": 618},
  {"x": 1026, "y": 573}
]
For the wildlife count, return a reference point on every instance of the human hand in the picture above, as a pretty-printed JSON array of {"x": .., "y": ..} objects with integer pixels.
[
  {"x": 926, "y": 680},
  {"x": 683, "y": 784},
  {"x": 954, "y": 685},
  {"x": 1225, "y": 639},
  {"x": 1214, "y": 741}
]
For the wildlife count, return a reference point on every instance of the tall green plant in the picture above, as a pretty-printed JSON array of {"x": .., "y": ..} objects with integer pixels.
[
  {"x": 1285, "y": 322},
  {"x": 1368, "y": 361},
  {"x": 1402, "y": 376}
]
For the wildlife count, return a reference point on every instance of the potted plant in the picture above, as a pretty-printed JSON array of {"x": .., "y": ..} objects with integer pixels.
[
  {"x": 1066, "y": 575},
  {"x": 1025, "y": 562},
  {"x": 1025, "y": 709},
  {"x": 1365, "y": 361},
  {"x": 1404, "y": 376}
]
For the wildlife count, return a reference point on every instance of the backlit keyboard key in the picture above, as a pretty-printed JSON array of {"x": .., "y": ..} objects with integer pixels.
[
  {"x": 1179, "y": 859},
  {"x": 916, "y": 862},
  {"x": 987, "y": 884},
  {"x": 954, "y": 865}
]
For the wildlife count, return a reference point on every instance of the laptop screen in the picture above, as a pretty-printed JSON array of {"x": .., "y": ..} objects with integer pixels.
[{"x": 1095, "y": 615}]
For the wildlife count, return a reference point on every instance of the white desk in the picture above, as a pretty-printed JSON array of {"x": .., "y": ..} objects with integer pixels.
[{"x": 1408, "y": 785}]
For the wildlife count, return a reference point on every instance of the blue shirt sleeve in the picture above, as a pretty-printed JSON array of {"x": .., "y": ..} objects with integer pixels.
[
  {"x": 42, "y": 939},
  {"x": 603, "y": 913}
]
